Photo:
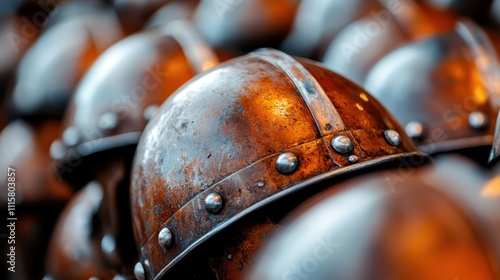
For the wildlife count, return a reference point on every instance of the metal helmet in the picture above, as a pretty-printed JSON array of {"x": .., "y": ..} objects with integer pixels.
[
  {"x": 122, "y": 90},
  {"x": 436, "y": 222},
  {"x": 74, "y": 252},
  {"x": 247, "y": 24},
  {"x": 443, "y": 89},
  {"x": 359, "y": 45},
  {"x": 51, "y": 68},
  {"x": 319, "y": 21},
  {"x": 31, "y": 190},
  {"x": 241, "y": 136}
]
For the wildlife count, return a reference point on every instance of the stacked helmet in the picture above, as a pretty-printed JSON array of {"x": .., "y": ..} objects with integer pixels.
[
  {"x": 111, "y": 107},
  {"x": 443, "y": 89},
  {"x": 362, "y": 43},
  {"x": 245, "y": 24},
  {"x": 242, "y": 136},
  {"x": 50, "y": 70},
  {"x": 437, "y": 222},
  {"x": 315, "y": 26},
  {"x": 31, "y": 189}
]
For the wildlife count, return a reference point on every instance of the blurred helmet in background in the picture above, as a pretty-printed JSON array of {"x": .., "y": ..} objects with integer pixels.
[
  {"x": 359, "y": 45},
  {"x": 444, "y": 90}
]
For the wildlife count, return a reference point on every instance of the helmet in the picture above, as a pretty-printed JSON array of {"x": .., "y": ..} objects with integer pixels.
[
  {"x": 141, "y": 72},
  {"x": 443, "y": 89},
  {"x": 51, "y": 68},
  {"x": 362, "y": 43},
  {"x": 245, "y": 24},
  {"x": 30, "y": 183},
  {"x": 171, "y": 11},
  {"x": 74, "y": 252},
  {"x": 438, "y": 222},
  {"x": 241, "y": 136},
  {"x": 314, "y": 26}
]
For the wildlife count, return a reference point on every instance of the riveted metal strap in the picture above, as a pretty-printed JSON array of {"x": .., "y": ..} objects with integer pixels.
[
  {"x": 199, "y": 54},
  {"x": 325, "y": 115}
]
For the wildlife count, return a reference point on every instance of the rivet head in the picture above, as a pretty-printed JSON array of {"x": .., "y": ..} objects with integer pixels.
[
  {"x": 57, "y": 150},
  {"x": 149, "y": 112},
  {"x": 165, "y": 238},
  {"x": 71, "y": 136},
  {"x": 214, "y": 203},
  {"x": 287, "y": 163},
  {"x": 478, "y": 120},
  {"x": 108, "y": 122},
  {"x": 392, "y": 137},
  {"x": 353, "y": 159},
  {"x": 108, "y": 244},
  {"x": 415, "y": 130},
  {"x": 139, "y": 271},
  {"x": 342, "y": 144}
]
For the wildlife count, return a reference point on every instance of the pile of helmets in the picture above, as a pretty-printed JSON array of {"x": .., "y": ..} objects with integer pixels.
[{"x": 257, "y": 139}]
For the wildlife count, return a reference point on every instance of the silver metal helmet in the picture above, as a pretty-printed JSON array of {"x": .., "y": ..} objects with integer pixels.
[{"x": 444, "y": 89}]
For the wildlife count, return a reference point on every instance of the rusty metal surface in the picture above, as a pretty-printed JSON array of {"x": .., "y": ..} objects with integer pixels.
[
  {"x": 436, "y": 222},
  {"x": 223, "y": 132},
  {"x": 441, "y": 82}
]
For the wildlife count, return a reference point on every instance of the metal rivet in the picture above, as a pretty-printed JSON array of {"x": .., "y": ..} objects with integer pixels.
[
  {"x": 392, "y": 137},
  {"x": 149, "y": 112},
  {"x": 57, "y": 150},
  {"x": 139, "y": 271},
  {"x": 342, "y": 144},
  {"x": 353, "y": 159},
  {"x": 261, "y": 184},
  {"x": 416, "y": 130},
  {"x": 214, "y": 203},
  {"x": 478, "y": 120},
  {"x": 108, "y": 244},
  {"x": 108, "y": 122},
  {"x": 71, "y": 136},
  {"x": 229, "y": 257},
  {"x": 328, "y": 126},
  {"x": 287, "y": 163},
  {"x": 165, "y": 238}
]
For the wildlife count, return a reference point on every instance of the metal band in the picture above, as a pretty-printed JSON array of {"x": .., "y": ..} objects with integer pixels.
[
  {"x": 199, "y": 54},
  {"x": 325, "y": 115},
  {"x": 485, "y": 58}
]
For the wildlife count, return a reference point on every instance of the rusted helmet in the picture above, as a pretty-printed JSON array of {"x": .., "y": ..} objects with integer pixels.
[
  {"x": 359, "y": 45},
  {"x": 443, "y": 89},
  {"x": 30, "y": 188},
  {"x": 437, "y": 222},
  {"x": 51, "y": 68},
  {"x": 315, "y": 26},
  {"x": 120, "y": 93},
  {"x": 245, "y": 24},
  {"x": 241, "y": 136}
]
